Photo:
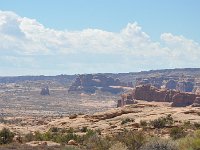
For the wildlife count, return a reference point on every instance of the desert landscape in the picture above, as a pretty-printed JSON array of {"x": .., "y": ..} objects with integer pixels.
[{"x": 162, "y": 104}]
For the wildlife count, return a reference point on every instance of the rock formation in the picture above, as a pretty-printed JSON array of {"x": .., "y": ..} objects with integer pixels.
[
  {"x": 150, "y": 93},
  {"x": 89, "y": 83},
  {"x": 183, "y": 99},
  {"x": 126, "y": 99},
  {"x": 196, "y": 102},
  {"x": 184, "y": 86},
  {"x": 171, "y": 84},
  {"x": 45, "y": 91}
]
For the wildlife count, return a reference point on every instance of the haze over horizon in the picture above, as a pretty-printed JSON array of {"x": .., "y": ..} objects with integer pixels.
[{"x": 75, "y": 37}]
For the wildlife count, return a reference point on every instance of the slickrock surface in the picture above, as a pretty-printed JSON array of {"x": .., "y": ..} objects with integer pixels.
[{"x": 109, "y": 122}]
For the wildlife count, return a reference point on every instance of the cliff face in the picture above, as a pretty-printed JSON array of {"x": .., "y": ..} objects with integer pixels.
[
  {"x": 183, "y": 99},
  {"x": 90, "y": 83},
  {"x": 150, "y": 93}
]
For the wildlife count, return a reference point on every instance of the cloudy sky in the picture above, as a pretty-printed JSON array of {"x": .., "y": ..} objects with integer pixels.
[{"x": 52, "y": 37}]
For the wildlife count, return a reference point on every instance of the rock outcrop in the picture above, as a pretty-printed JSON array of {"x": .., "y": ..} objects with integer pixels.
[
  {"x": 181, "y": 84},
  {"x": 185, "y": 86},
  {"x": 196, "y": 102},
  {"x": 171, "y": 84},
  {"x": 45, "y": 91},
  {"x": 150, "y": 93},
  {"x": 89, "y": 83},
  {"x": 183, "y": 99},
  {"x": 126, "y": 99}
]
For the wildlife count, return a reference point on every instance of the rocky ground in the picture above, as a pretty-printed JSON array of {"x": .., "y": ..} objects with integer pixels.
[{"x": 107, "y": 122}]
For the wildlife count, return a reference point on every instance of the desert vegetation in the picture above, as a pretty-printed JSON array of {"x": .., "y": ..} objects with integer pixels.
[{"x": 181, "y": 136}]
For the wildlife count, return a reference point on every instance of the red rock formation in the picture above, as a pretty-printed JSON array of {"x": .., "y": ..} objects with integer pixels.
[
  {"x": 183, "y": 99},
  {"x": 150, "y": 93},
  {"x": 126, "y": 99}
]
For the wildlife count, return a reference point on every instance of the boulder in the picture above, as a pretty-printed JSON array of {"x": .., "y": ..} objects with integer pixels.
[{"x": 72, "y": 142}]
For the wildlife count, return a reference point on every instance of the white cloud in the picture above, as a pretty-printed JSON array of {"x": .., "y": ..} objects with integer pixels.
[{"x": 20, "y": 36}]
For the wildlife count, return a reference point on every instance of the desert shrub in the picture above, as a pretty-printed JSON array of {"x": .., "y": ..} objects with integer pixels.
[
  {"x": 70, "y": 130},
  {"x": 98, "y": 131},
  {"x": 169, "y": 119},
  {"x": 29, "y": 137},
  {"x": 162, "y": 121},
  {"x": 197, "y": 125},
  {"x": 132, "y": 139},
  {"x": 158, "y": 123},
  {"x": 84, "y": 129},
  {"x": 90, "y": 133},
  {"x": 38, "y": 136},
  {"x": 126, "y": 120},
  {"x": 54, "y": 129},
  {"x": 190, "y": 142},
  {"x": 187, "y": 124},
  {"x": 96, "y": 142},
  {"x": 177, "y": 132},
  {"x": 118, "y": 146},
  {"x": 143, "y": 123},
  {"x": 6, "y": 136},
  {"x": 160, "y": 144}
]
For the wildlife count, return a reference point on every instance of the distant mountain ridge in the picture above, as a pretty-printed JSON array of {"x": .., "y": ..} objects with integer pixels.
[{"x": 124, "y": 77}]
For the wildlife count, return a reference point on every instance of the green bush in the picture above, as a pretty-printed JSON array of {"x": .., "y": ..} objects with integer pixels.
[
  {"x": 124, "y": 121},
  {"x": 132, "y": 139},
  {"x": 162, "y": 121},
  {"x": 158, "y": 123},
  {"x": 38, "y": 136},
  {"x": 6, "y": 136},
  {"x": 96, "y": 142},
  {"x": 169, "y": 119},
  {"x": 197, "y": 125},
  {"x": 160, "y": 144},
  {"x": 177, "y": 132},
  {"x": 54, "y": 129},
  {"x": 190, "y": 142},
  {"x": 29, "y": 137},
  {"x": 187, "y": 124},
  {"x": 118, "y": 146},
  {"x": 84, "y": 129},
  {"x": 143, "y": 123}
]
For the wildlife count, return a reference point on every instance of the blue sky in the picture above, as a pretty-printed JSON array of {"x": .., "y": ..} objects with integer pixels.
[{"x": 87, "y": 36}]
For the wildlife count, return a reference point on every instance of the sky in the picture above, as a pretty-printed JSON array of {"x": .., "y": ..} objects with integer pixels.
[{"x": 50, "y": 37}]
